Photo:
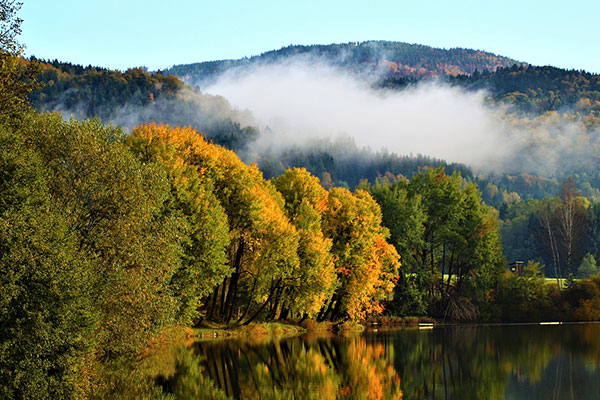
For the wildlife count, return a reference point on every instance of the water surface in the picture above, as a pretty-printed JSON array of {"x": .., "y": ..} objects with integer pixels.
[{"x": 465, "y": 362}]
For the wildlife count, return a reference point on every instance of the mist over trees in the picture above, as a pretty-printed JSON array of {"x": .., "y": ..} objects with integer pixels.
[
  {"x": 109, "y": 239},
  {"x": 133, "y": 97}
]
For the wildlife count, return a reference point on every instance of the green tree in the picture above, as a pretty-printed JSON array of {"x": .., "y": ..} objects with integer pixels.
[
  {"x": 313, "y": 282},
  {"x": 405, "y": 217},
  {"x": 115, "y": 204},
  {"x": 588, "y": 267},
  {"x": 367, "y": 266},
  {"x": 449, "y": 240},
  {"x": 46, "y": 312}
]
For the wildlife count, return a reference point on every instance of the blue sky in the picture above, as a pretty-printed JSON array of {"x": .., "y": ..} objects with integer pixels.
[{"x": 157, "y": 34}]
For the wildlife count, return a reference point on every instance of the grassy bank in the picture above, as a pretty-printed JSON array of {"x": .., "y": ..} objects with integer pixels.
[
  {"x": 389, "y": 320},
  {"x": 270, "y": 330},
  {"x": 255, "y": 331}
]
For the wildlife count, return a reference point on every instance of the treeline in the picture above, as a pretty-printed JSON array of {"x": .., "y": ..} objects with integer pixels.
[
  {"x": 374, "y": 59},
  {"x": 340, "y": 162},
  {"x": 108, "y": 240},
  {"x": 453, "y": 266},
  {"x": 94, "y": 91},
  {"x": 133, "y": 97}
]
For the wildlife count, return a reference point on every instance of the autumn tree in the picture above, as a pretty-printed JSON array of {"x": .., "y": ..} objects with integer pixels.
[
  {"x": 206, "y": 235},
  {"x": 262, "y": 242},
  {"x": 313, "y": 282},
  {"x": 367, "y": 266}
]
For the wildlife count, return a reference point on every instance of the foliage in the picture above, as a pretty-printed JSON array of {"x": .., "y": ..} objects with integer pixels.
[
  {"x": 134, "y": 97},
  {"x": 206, "y": 235},
  {"x": 46, "y": 313},
  {"x": 366, "y": 264},
  {"x": 315, "y": 279},
  {"x": 389, "y": 60},
  {"x": 524, "y": 298},
  {"x": 588, "y": 267},
  {"x": 17, "y": 78},
  {"x": 262, "y": 242},
  {"x": 538, "y": 90},
  {"x": 449, "y": 241},
  {"x": 115, "y": 204}
]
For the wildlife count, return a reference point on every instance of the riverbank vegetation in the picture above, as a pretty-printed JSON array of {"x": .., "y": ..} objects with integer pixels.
[{"x": 111, "y": 239}]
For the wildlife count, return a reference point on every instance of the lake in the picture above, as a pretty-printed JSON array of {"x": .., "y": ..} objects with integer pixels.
[{"x": 452, "y": 362}]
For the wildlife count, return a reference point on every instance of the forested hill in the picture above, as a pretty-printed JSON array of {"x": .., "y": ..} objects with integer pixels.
[
  {"x": 538, "y": 90},
  {"x": 382, "y": 58},
  {"x": 135, "y": 96}
]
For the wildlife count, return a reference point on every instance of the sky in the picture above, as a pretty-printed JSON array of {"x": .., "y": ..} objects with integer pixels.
[{"x": 120, "y": 34}]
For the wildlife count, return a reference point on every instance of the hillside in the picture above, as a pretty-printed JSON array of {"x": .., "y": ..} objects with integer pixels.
[
  {"x": 537, "y": 90},
  {"x": 135, "y": 96},
  {"x": 535, "y": 95},
  {"x": 373, "y": 58}
]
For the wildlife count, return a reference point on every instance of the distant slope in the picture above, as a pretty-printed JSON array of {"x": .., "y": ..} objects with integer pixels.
[
  {"x": 133, "y": 97},
  {"x": 393, "y": 59},
  {"x": 537, "y": 94},
  {"x": 538, "y": 90},
  {"x": 532, "y": 90}
]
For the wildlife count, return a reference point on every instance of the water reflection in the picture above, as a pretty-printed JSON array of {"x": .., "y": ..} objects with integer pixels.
[
  {"x": 495, "y": 362},
  {"x": 303, "y": 368}
]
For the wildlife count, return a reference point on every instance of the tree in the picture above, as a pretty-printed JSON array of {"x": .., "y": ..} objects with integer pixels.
[
  {"x": 17, "y": 77},
  {"x": 404, "y": 216},
  {"x": 313, "y": 282},
  {"x": 562, "y": 230},
  {"x": 448, "y": 239},
  {"x": 367, "y": 266},
  {"x": 573, "y": 223},
  {"x": 588, "y": 267},
  {"x": 262, "y": 242},
  {"x": 116, "y": 205},
  {"x": 46, "y": 313},
  {"x": 207, "y": 235}
]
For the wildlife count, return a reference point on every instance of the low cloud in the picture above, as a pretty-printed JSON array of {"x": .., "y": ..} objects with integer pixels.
[{"x": 298, "y": 101}]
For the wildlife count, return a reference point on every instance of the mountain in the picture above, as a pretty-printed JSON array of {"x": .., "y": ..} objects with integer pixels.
[
  {"x": 373, "y": 58},
  {"x": 553, "y": 102}
]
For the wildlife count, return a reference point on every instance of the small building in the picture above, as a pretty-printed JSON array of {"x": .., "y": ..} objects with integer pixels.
[{"x": 516, "y": 267}]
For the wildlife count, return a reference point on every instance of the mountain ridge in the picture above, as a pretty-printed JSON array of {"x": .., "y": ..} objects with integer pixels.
[{"x": 380, "y": 58}]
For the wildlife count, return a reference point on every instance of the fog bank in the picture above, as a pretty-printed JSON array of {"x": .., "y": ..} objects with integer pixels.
[{"x": 297, "y": 101}]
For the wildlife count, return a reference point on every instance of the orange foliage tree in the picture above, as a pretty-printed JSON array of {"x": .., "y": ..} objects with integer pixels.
[
  {"x": 262, "y": 242},
  {"x": 367, "y": 266}
]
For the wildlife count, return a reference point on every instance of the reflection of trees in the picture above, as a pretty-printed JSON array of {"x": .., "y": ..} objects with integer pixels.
[
  {"x": 167, "y": 374},
  {"x": 510, "y": 362},
  {"x": 302, "y": 368},
  {"x": 499, "y": 362},
  {"x": 466, "y": 362}
]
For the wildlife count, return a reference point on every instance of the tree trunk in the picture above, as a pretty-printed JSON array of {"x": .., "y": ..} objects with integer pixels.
[
  {"x": 233, "y": 283},
  {"x": 257, "y": 313}
]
